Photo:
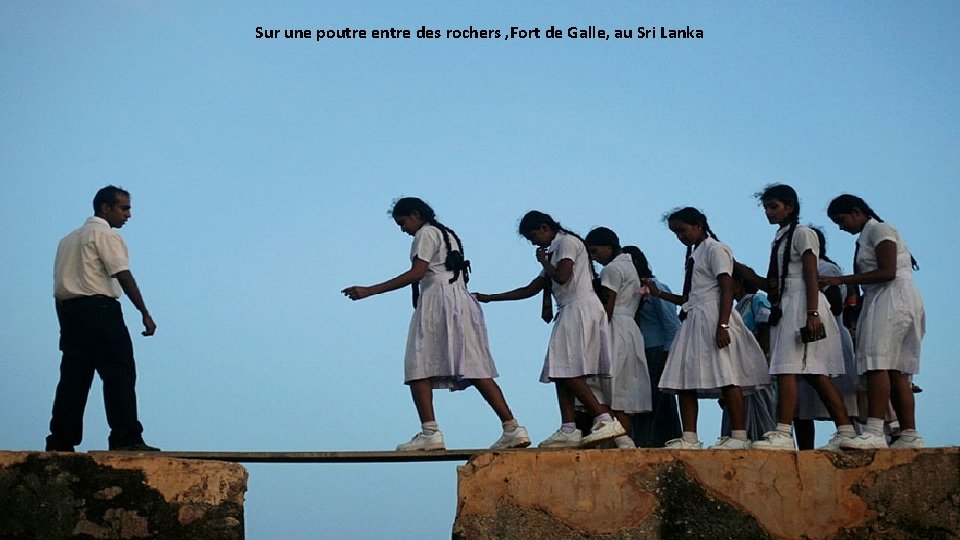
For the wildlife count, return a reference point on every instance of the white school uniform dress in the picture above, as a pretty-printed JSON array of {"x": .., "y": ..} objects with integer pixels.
[
  {"x": 695, "y": 362},
  {"x": 788, "y": 353},
  {"x": 809, "y": 405},
  {"x": 892, "y": 320},
  {"x": 447, "y": 341},
  {"x": 628, "y": 387},
  {"x": 580, "y": 343}
]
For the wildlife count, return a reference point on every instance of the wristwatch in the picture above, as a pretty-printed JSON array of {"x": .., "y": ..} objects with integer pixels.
[
  {"x": 725, "y": 326},
  {"x": 813, "y": 313}
]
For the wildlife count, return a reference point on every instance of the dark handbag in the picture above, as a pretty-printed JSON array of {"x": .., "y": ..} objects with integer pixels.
[{"x": 808, "y": 337}]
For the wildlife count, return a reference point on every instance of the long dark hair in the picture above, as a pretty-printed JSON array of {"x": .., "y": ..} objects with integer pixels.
[
  {"x": 532, "y": 221},
  {"x": 787, "y": 195},
  {"x": 690, "y": 216},
  {"x": 822, "y": 240},
  {"x": 845, "y": 203},
  {"x": 640, "y": 261},
  {"x": 455, "y": 260}
]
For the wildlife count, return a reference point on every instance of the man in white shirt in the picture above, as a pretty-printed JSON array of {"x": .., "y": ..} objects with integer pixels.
[{"x": 90, "y": 272}]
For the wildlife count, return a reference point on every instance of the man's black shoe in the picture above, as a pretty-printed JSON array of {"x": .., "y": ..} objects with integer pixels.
[
  {"x": 54, "y": 444},
  {"x": 54, "y": 448},
  {"x": 136, "y": 447}
]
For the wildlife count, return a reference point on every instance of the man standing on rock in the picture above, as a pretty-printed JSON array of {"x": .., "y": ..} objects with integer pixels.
[{"x": 90, "y": 271}]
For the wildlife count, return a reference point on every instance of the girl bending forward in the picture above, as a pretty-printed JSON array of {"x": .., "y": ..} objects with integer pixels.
[
  {"x": 580, "y": 343},
  {"x": 714, "y": 354},
  {"x": 447, "y": 343}
]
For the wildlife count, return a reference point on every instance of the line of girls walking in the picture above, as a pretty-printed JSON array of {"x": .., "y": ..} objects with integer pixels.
[{"x": 619, "y": 352}]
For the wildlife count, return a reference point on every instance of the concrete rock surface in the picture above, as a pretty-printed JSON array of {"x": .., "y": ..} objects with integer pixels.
[
  {"x": 622, "y": 494},
  {"x": 64, "y": 495}
]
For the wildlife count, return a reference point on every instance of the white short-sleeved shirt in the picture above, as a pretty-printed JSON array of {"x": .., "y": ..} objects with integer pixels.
[
  {"x": 711, "y": 258},
  {"x": 874, "y": 232},
  {"x": 567, "y": 246},
  {"x": 87, "y": 259},
  {"x": 428, "y": 245},
  {"x": 804, "y": 239},
  {"x": 620, "y": 276}
]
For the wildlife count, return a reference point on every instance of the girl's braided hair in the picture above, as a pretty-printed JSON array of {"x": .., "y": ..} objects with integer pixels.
[
  {"x": 455, "y": 260},
  {"x": 787, "y": 195}
]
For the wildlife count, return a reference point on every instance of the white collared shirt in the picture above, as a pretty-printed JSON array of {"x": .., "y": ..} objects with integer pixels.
[{"x": 87, "y": 259}]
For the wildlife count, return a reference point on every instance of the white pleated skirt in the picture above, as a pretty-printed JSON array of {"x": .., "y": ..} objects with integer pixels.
[
  {"x": 628, "y": 388},
  {"x": 696, "y": 363},
  {"x": 447, "y": 341},
  {"x": 788, "y": 353},
  {"x": 580, "y": 343},
  {"x": 891, "y": 324}
]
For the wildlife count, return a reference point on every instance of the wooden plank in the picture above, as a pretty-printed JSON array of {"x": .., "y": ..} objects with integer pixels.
[{"x": 321, "y": 457}]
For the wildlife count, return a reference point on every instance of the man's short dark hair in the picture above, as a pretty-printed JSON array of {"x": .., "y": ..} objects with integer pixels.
[{"x": 108, "y": 195}]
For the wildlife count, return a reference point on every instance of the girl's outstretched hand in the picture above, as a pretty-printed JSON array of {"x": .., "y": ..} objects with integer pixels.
[
  {"x": 482, "y": 298},
  {"x": 356, "y": 292}
]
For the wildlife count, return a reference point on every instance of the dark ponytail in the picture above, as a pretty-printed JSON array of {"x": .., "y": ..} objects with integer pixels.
[
  {"x": 640, "y": 261},
  {"x": 787, "y": 195},
  {"x": 455, "y": 260}
]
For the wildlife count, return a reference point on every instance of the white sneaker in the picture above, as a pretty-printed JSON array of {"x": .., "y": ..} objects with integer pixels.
[
  {"x": 866, "y": 441},
  {"x": 518, "y": 438},
  {"x": 624, "y": 442},
  {"x": 680, "y": 444},
  {"x": 602, "y": 431},
  {"x": 833, "y": 445},
  {"x": 774, "y": 440},
  {"x": 559, "y": 439},
  {"x": 729, "y": 443},
  {"x": 900, "y": 444},
  {"x": 423, "y": 442}
]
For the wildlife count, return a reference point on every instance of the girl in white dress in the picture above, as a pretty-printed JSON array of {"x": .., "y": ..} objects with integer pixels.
[
  {"x": 447, "y": 343},
  {"x": 580, "y": 344},
  {"x": 809, "y": 406},
  {"x": 714, "y": 353},
  {"x": 628, "y": 387},
  {"x": 891, "y": 323},
  {"x": 801, "y": 341}
]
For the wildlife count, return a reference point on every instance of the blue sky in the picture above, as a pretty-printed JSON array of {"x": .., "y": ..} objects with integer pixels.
[{"x": 262, "y": 171}]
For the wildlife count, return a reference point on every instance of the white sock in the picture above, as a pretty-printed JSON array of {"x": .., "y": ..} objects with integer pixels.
[
  {"x": 510, "y": 425},
  {"x": 429, "y": 428},
  {"x": 690, "y": 437},
  {"x": 847, "y": 430},
  {"x": 875, "y": 426},
  {"x": 738, "y": 434},
  {"x": 568, "y": 427},
  {"x": 909, "y": 435},
  {"x": 785, "y": 429}
]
